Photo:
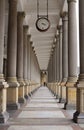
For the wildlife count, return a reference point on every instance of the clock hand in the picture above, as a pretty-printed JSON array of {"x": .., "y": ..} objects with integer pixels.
[{"x": 43, "y": 24}]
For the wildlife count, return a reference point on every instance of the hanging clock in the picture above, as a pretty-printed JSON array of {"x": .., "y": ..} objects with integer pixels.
[{"x": 42, "y": 24}]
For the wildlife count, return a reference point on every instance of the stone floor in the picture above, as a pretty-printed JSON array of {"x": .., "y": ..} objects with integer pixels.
[{"x": 41, "y": 112}]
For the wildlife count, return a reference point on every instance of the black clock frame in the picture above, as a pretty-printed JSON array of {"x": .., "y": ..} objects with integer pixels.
[{"x": 40, "y": 28}]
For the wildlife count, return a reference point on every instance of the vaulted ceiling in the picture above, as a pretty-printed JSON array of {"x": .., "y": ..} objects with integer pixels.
[{"x": 42, "y": 41}]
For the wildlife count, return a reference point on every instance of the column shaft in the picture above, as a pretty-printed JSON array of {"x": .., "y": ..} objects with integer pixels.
[
  {"x": 2, "y": 26},
  {"x": 12, "y": 39},
  {"x": 25, "y": 53},
  {"x": 12, "y": 93},
  {"x": 72, "y": 54},
  {"x": 20, "y": 18},
  {"x": 29, "y": 64},
  {"x": 25, "y": 29},
  {"x": 65, "y": 46},
  {"x": 59, "y": 27},
  {"x": 3, "y": 85},
  {"x": 64, "y": 16},
  {"x": 28, "y": 56},
  {"x": 58, "y": 68},
  {"x": 60, "y": 51},
  {"x": 72, "y": 38},
  {"x": 79, "y": 114}
]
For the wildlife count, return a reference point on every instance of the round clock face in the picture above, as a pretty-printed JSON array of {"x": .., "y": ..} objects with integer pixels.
[{"x": 42, "y": 24}]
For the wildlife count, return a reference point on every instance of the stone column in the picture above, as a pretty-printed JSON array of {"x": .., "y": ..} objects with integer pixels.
[
  {"x": 50, "y": 71},
  {"x": 20, "y": 18},
  {"x": 72, "y": 54},
  {"x": 53, "y": 69},
  {"x": 12, "y": 93},
  {"x": 58, "y": 68},
  {"x": 64, "y": 16},
  {"x": 28, "y": 62},
  {"x": 65, "y": 47},
  {"x": 3, "y": 85},
  {"x": 25, "y": 30},
  {"x": 60, "y": 62},
  {"x": 79, "y": 114},
  {"x": 48, "y": 75},
  {"x": 60, "y": 51}
]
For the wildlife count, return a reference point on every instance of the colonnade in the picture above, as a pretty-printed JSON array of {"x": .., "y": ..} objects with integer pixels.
[
  {"x": 69, "y": 85},
  {"x": 23, "y": 72}
]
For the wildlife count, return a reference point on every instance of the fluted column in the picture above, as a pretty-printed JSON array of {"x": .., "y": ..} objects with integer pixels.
[
  {"x": 20, "y": 18},
  {"x": 30, "y": 66},
  {"x": 72, "y": 43},
  {"x": 58, "y": 58},
  {"x": 50, "y": 71},
  {"x": 64, "y": 16},
  {"x": 25, "y": 30},
  {"x": 28, "y": 62},
  {"x": 60, "y": 52},
  {"x": 79, "y": 114},
  {"x": 12, "y": 95},
  {"x": 58, "y": 68},
  {"x": 3, "y": 85},
  {"x": 65, "y": 47},
  {"x": 72, "y": 54},
  {"x": 60, "y": 61},
  {"x": 55, "y": 70}
]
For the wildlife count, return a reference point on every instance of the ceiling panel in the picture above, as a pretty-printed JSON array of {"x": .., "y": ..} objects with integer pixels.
[{"x": 42, "y": 42}]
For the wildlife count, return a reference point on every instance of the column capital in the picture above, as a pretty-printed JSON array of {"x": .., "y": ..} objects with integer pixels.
[
  {"x": 64, "y": 16},
  {"x": 21, "y": 14},
  {"x": 57, "y": 37},
  {"x": 71, "y": 1},
  {"x": 12, "y": 1},
  {"x": 25, "y": 27},
  {"x": 31, "y": 43},
  {"x": 29, "y": 36},
  {"x": 33, "y": 48},
  {"x": 59, "y": 27}
]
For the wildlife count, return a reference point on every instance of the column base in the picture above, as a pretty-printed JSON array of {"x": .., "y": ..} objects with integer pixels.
[
  {"x": 13, "y": 106},
  {"x": 26, "y": 97},
  {"x": 78, "y": 117},
  {"x": 21, "y": 100},
  {"x": 12, "y": 94},
  {"x": 54, "y": 94},
  {"x": 69, "y": 106},
  {"x": 57, "y": 97},
  {"x": 61, "y": 100},
  {"x": 30, "y": 94},
  {"x": 4, "y": 117}
]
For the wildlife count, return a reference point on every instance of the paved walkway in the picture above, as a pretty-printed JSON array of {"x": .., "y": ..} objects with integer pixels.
[{"x": 42, "y": 112}]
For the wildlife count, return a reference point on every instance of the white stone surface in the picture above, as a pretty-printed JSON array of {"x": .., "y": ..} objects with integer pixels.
[
  {"x": 19, "y": 127},
  {"x": 43, "y": 100},
  {"x": 41, "y": 114},
  {"x": 42, "y": 105},
  {"x": 39, "y": 97}
]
